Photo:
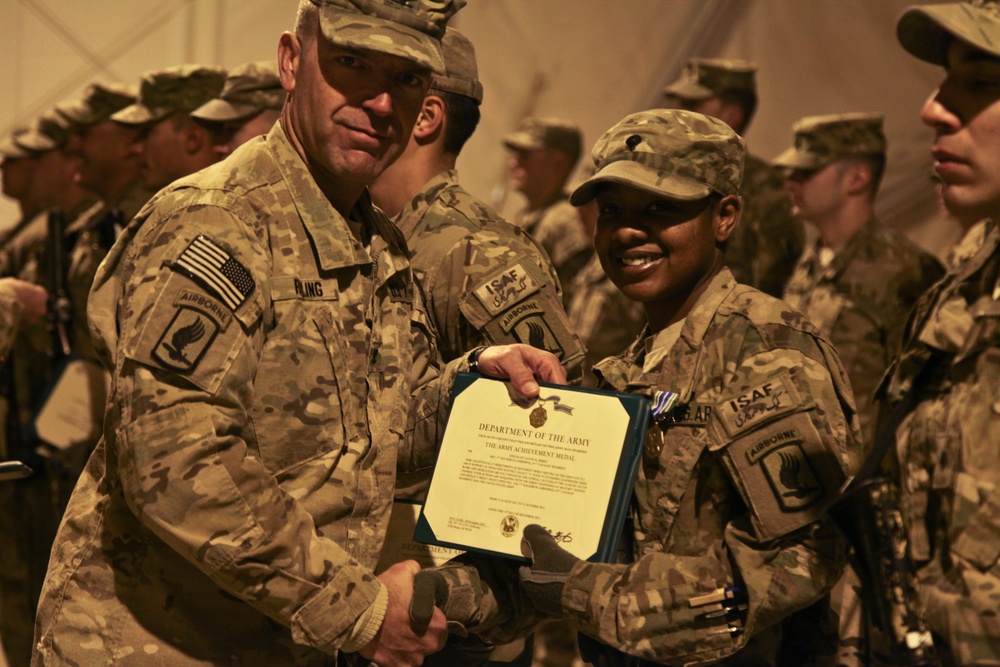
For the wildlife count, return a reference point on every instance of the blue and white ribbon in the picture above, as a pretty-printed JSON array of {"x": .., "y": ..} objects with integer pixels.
[
  {"x": 556, "y": 405},
  {"x": 663, "y": 403}
]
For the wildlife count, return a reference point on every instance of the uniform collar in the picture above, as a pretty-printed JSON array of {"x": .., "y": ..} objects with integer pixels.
[{"x": 406, "y": 221}]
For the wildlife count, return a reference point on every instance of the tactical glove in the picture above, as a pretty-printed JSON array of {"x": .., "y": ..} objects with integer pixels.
[
  {"x": 544, "y": 579},
  {"x": 429, "y": 590}
]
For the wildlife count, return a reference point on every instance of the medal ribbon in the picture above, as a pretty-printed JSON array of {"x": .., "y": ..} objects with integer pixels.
[
  {"x": 556, "y": 405},
  {"x": 663, "y": 403}
]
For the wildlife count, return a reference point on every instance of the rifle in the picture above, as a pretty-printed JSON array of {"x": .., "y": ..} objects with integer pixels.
[{"x": 60, "y": 313}]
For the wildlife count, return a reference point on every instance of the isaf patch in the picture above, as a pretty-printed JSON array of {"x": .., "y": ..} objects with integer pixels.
[
  {"x": 209, "y": 265},
  {"x": 758, "y": 405},
  {"x": 502, "y": 290},
  {"x": 184, "y": 342}
]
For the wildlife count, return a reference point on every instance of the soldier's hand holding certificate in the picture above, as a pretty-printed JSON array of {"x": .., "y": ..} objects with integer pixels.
[{"x": 566, "y": 461}]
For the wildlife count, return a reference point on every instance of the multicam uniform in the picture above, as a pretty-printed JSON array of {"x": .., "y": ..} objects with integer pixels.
[
  {"x": 606, "y": 320},
  {"x": 556, "y": 227},
  {"x": 483, "y": 280},
  {"x": 235, "y": 508},
  {"x": 763, "y": 249},
  {"x": 947, "y": 446},
  {"x": 860, "y": 299},
  {"x": 10, "y": 321},
  {"x": 731, "y": 488}
]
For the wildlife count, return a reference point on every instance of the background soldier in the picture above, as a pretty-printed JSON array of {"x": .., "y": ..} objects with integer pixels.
[
  {"x": 943, "y": 389},
  {"x": 858, "y": 282},
  {"x": 763, "y": 249},
  {"x": 20, "y": 302},
  {"x": 172, "y": 145},
  {"x": 484, "y": 281},
  {"x": 544, "y": 152},
  {"x": 247, "y": 107},
  {"x": 259, "y": 318}
]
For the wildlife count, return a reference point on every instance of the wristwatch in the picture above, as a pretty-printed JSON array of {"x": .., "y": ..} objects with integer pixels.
[{"x": 473, "y": 358}]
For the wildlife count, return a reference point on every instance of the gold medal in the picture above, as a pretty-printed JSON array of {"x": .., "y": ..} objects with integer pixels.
[{"x": 538, "y": 417}]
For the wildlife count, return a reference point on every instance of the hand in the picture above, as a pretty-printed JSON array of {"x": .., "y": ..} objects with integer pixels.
[
  {"x": 33, "y": 298},
  {"x": 544, "y": 579},
  {"x": 399, "y": 643},
  {"x": 522, "y": 365}
]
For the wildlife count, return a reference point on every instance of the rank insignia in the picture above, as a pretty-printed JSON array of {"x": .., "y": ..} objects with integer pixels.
[{"x": 185, "y": 340}]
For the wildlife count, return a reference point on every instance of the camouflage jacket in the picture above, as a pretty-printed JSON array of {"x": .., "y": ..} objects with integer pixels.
[
  {"x": 730, "y": 493},
  {"x": 10, "y": 320},
  {"x": 93, "y": 233},
  {"x": 483, "y": 279},
  {"x": 763, "y": 249},
  {"x": 558, "y": 230},
  {"x": 606, "y": 320},
  {"x": 861, "y": 301},
  {"x": 261, "y": 361},
  {"x": 946, "y": 447}
]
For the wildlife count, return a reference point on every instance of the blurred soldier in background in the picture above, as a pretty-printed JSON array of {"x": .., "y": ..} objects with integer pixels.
[
  {"x": 248, "y": 106},
  {"x": 544, "y": 152},
  {"x": 172, "y": 145},
  {"x": 763, "y": 249},
  {"x": 859, "y": 281}
]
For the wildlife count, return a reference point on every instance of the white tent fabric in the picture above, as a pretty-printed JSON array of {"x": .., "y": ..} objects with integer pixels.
[{"x": 591, "y": 61}]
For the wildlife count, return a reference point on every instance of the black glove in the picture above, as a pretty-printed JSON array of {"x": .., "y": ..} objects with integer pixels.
[
  {"x": 429, "y": 590},
  {"x": 544, "y": 579}
]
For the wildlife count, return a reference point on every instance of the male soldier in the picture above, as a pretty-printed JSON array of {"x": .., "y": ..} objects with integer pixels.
[
  {"x": 249, "y": 104},
  {"x": 754, "y": 433},
  {"x": 944, "y": 389},
  {"x": 483, "y": 280},
  {"x": 860, "y": 280},
  {"x": 17, "y": 171},
  {"x": 171, "y": 144},
  {"x": 763, "y": 249},
  {"x": 20, "y": 302},
  {"x": 259, "y": 318},
  {"x": 544, "y": 152}
]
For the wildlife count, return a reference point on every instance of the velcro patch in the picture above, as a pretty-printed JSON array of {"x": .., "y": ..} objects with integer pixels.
[
  {"x": 504, "y": 289},
  {"x": 759, "y": 404},
  {"x": 185, "y": 340},
  {"x": 689, "y": 414},
  {"x": 205, "y": 304},
  {"x": 533, "y": 330},
  {"x": 216, "y": 270}
]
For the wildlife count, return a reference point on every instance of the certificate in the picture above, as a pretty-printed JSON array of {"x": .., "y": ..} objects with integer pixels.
[{"x": 566, "y": 461}]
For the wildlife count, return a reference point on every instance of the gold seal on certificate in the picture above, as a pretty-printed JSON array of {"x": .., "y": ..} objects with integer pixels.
[{"x": 566, "y": 461}]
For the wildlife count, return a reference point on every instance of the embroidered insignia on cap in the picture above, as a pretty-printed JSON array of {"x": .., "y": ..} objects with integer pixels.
[
  {"x": 216, "y": 270},
  {"x": 185, "y": 340}
]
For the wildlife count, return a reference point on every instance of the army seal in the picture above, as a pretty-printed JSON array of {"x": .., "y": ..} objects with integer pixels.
[{"x": 508, "y": 525}]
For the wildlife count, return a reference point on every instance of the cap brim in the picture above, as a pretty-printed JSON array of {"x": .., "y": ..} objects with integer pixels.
[
  {"x": 361, "y": 31},
  {"x": 688, "y": 90},
  {"x": 223, "y": 111},
  {"x": 139, "y": 114},
  {"x": 927, "y": 31},
  {"x": 523, "y": 141},
  {"x": 795, "y": 159},
  {"x": 35, "y": 142},
  {"x": 639, "y": 176}
]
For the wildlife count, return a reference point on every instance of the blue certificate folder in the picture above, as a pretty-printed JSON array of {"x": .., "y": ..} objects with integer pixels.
[{"x": 631, "y": 448}]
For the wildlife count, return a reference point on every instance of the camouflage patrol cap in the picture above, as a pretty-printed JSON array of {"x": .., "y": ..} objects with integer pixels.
[
  {"x": 48, "y": 132},
  {"x": 179, "y": 88},
  {"x": 555, "y": 133},
  {"x": 97, "y": 103},
  {"x": 926, "y": 31},
  {"x": 9, "y": 149},
  {"x": 820, "y": 140},
  {"x": 708, "y": 77},
  {"x": 249, "y": 89},
  {"x": 461, "y": 76},
  {"x": 410, "y": 29},
  {"x": 679, "y": 154}
]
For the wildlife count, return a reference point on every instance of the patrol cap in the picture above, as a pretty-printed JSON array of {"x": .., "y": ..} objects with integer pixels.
[
  {"x": 9, "y": 149},
  {"x": 412, "y": 29},
  {"x": 556, "y": 133},
  {"x": 461, "y": 76},
  {"x": 179, "y": 88},
  {"x": 709, "y": 77},
  {"x": 679, "y": 154},
  {"x": 49, "y": 131},
  {"x": 820, "y": 140},
  {"x": 926, "y": 31},
  {"x": 249, "y": 89},
  {"x": 98, "y": 102}
]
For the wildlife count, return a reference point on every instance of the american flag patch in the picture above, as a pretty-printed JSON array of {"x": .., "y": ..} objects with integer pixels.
[{"x": 213, "y": 268}]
